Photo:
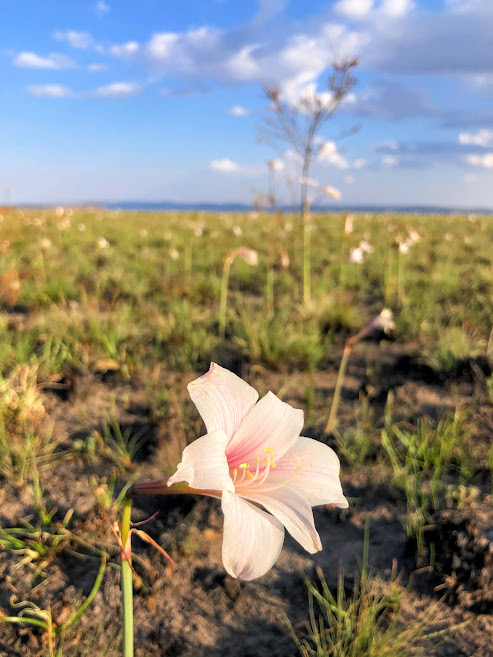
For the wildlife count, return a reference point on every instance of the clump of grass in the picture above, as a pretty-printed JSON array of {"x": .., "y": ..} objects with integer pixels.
[
  {"x": 453, "y": 347},
  {"x": 424, "y": 459},
  {"x": 121, "y": 445},
  {"x": 355, "y": 445},
  {"x": 277, "y": 339},
  {"x": 367, "y": 622}
]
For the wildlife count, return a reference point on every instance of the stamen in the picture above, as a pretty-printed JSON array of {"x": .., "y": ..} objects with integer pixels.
[
  {"x": 244, "y": 466},
  {"x": 249, "y": 474},
  {"x": 269, "y": 450},
  {"x": 282, "y": 483}
]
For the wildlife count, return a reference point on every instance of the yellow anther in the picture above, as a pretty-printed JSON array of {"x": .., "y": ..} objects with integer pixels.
[
  {"x": 257, "y": 459},
  {"x": 269, "y": 450},
  {"x": 249, "y": 474},
  {"x": 272, "y": 464},
  {"x": 235, "y": 472},
  {"x": 244, "y": 466}
]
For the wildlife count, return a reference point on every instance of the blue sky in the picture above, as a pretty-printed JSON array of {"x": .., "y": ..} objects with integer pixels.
[{"x": 161, "y": 100}]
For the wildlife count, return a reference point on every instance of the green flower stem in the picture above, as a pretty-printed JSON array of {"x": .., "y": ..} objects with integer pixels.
[
  {"x": 126, "y": 584},
  {"x": 224, "y": 297},
  {"x": 338, "y": 389}
]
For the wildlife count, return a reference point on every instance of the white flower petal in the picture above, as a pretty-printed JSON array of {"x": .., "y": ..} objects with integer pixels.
[
  {"x": 314, "y": 471},
  {"x": 252, "y": 538},
  {"x": 204, "y": 464},
  {"x": 290, "y": 507},
  {"x": 271, "y": 424},
  {"x": 222, "y": 399}
]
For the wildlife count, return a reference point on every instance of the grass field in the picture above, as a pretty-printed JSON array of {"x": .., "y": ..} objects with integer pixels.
[{"x": 106, "y": 316}]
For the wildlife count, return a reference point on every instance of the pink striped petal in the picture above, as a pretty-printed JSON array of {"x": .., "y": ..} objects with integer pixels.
[
  {"x": 222, "y": 399},
  {"x": 290, "y": 507},
  {"x": 317, "y": 478},
  {"x": 271, "y": 423},
  {"x": 204, "y": 464},
  {"x": 252, "y": 538}
]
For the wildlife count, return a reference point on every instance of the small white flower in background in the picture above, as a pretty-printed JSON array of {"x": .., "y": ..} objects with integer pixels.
[
  {"x": 404, "y": 247},
  {"x": 173, "y": 254},
  {"x": 284, "y": 259},
  {"x": 366, "y": 247},
  {"x": 198, "y": 231},
  {"x": 81, "y": 228},
  {"x": 356, "y": 255},
  {"x": 59, "y": 211},
  {"x": 448, "y": 237},
  {"x": 331, "y": 191},
  {"x": 237, "y": 231},
  {"x": 254, "y": 215},
  {"x": 414, "y": 236},
  {"x": 309, "y": 181},
  {"x": 38, "y": 221},
  {"x": 250, "y": 256},
  {"x": 103, "y": 243},
  {"x": 384, "y": 321},
  {"x": 472, "y": 218},
  {"x": 143, "y": 233},
  {"x": 288, "y": 226},
  {"x": 349, "y": 224},
  {"x": 276, "y": 165},
  {"x": 467, "y": 240},
  {"x": 64, "y": 224},
  {"x": 45, "y": 243}
]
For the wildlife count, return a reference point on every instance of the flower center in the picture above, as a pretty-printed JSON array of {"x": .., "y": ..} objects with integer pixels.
[{"x": 243, "y": 476}]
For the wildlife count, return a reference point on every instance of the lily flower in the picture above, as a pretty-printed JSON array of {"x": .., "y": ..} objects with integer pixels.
[
  {"x": 356, "y": 255},
  {"x": 251, "y": 457},
  {"x": 366, "y": 247}
]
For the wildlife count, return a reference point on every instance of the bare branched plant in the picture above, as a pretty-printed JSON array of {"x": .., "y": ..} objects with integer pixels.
[{"x": 299, "y": 124}]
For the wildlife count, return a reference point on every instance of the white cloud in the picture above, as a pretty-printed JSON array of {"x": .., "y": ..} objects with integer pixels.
[
  {"x": 238, "y": 110},
  {"x": 329, "y": 154},
  {"x": 391, "y": 145},
  {"x": 389, "y": 161},
  {"x": 96, "y": 68},
  {"x": 53, "y": 61},
  {"x": 50, "y": 91},
  {"x": 349, "y": 180},
  {"x": 224, "y": 166},
  {"x": 161, "y": 46},
  {"x": 485, "y": 161},
  {"x": 125, "y": 50},
  {"x": 396, "y": 8},
  {"x": 480, "y": 138},
  {"x": 118, "y": 90},
  {"x": 356, "y": 9},
  {"x": 242, "y": 65},
  {"x": 359, "y": 163},
  {"x": 81, "y": 40},
  {"x": 101, "y": 8}
]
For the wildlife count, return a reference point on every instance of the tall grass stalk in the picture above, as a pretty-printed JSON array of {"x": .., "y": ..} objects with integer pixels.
[
  {"x": 223, "y": 301},
  {"x": 269, "y": 288}
]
